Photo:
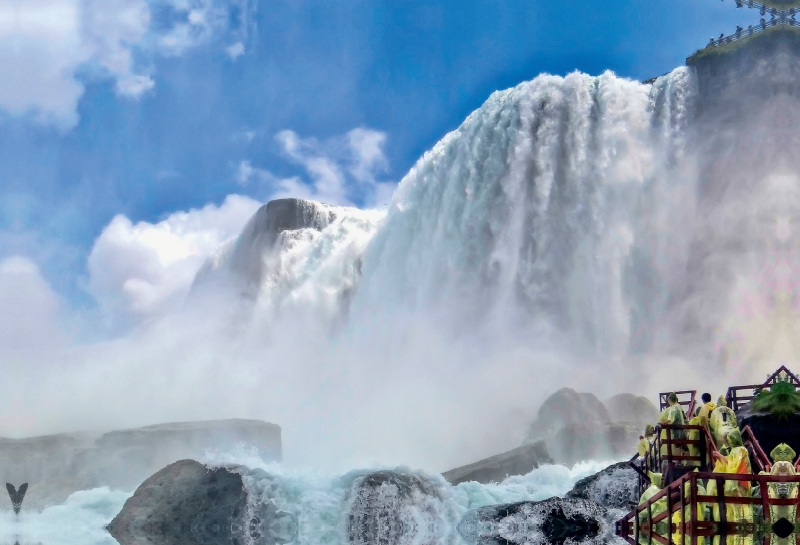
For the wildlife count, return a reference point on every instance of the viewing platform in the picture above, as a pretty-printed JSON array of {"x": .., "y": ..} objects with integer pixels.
[{"x": 694, "y": 487}]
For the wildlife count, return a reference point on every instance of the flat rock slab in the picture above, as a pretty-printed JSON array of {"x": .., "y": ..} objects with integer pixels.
[{"x": 519, "y": 461}]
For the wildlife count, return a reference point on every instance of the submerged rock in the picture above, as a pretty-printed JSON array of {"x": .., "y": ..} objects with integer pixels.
[
  {"x": 395, "y": 508},
  {"x": 185, "y": 502},
  {"x": 616, "y": 487},
  {"x": 553, "y": 521},
  {"x": 519, "y": 461}
]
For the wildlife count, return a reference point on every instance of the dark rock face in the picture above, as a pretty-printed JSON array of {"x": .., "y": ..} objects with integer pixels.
[
  {"x": 394, "y": 508},
  {"x": 771, "y": 430},
  {"x": 264, "y": 229},
  {"x": 553, "y": 521},
  {"x": 616, "y": 487},
  {"x": 184, "y": 503},
  {"x": 519, "y": 461},
  {"x": 55, "y": 466},
  {"x": 577, "y": 426}
]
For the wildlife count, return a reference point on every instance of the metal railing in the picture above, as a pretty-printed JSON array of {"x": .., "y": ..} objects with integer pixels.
[
  {"x": 640, "y": 525},
  {"x": 671, "y": 455},
  {"x": 736, "y": 399},
  {"x": 686, "y": 399}
]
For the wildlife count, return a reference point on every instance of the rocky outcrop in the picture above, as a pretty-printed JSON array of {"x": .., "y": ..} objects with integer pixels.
[
  {"x": 55, "y": 466},
  {"x": 616, "y": 487},
  {"x": 394, "y": 507},
  {"x": 519, "y": 461},
  {"x": 577, "y": 426},
  {"x": 184, "y": 503},
  {"x": 568, "y": 408},
  {"x": 553, "y": 521}
]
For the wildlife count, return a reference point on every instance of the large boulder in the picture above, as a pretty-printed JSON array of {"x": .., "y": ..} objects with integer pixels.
[
  {"x": 395, "y": 508},
  {"x": 519, "y": 461},
  {"x": 567, "y": 408},
  {"x": 577, "y": 426},
  {"x": 184, "y": 503},
  {"x": 616, "y": 487},
  {"x": 555, "y": 521}
]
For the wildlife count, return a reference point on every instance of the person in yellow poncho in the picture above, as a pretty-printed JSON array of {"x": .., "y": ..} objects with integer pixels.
[
  {"x": 672, "y": 415},
  {"x": 721, "y": 422},
  {"x": 646, "y": 440},
  {"x": 659, "y": 506},
  {"x": 783, "y": 457},
  {"x": 737, "y": 462},
  {"x": 707, "y": 407}
]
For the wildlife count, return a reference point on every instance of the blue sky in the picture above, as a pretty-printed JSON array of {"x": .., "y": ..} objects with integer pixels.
[{"x": 145, "y": 108}]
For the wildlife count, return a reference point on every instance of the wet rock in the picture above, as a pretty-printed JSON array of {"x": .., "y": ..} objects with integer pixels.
[
  {"x": 616, "y": 487},
  {"x": 519, "y": 461},
  {"x": 184, "y": 503},
  {"x": 555, "y": 521},
  {"x": 577, "y": 426},
  {"x": 395, "y": 508},
  {"x": 567, "y": 408}
]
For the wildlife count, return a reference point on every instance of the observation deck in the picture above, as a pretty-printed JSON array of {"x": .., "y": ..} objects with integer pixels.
[{"x": 699, "y": 499}]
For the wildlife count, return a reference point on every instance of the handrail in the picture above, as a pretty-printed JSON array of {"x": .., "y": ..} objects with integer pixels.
[
  {"x": 675, "y": 497},
  {"x": 663, "y": 403},
  {"x": 780, "y": 17},
  {"x": 759, "y": 455},
  {"x": 736, "y": 401}
]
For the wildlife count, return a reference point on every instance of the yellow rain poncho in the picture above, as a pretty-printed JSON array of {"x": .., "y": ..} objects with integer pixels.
[
  {"x": 672, "y": 415},
  {"x": 646, "y": 440},
  {"x": 706, "y": 409},
  {"x": 721, "y": 423},
  {"x": 783, "y": 457},
  {"x": 655, "y": 487},
  {"x": 737, "y": 462}
]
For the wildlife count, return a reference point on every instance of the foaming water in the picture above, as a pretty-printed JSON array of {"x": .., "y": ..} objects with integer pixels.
[
  {"x": 80, "y": 520},
  {"x": 320, "y": 503}
]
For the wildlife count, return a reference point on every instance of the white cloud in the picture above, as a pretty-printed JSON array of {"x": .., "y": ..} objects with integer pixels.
[
  {"x": 43, "y": 43},
  {"x": 143, "y": 269},
  {"x": 134, "y": 86},
  {"x": 235, "y": 51},
  {"x": 340, "y": 169},
  {"x": 30, "y": 307}
]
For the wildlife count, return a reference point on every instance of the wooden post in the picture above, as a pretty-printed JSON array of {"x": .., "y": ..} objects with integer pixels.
[
  {"x": 723, "y": 514},
  {"x": 693, "y": 499}
]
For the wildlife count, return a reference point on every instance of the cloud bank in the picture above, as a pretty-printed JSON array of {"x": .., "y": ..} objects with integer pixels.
[{"x": 49, "y": 48}]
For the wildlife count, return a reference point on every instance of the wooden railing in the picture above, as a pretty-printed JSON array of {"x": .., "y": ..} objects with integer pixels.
[
  {"x": 669, "y": 455},
  {"x": 739, "y": 396},
  {"x": 686, "y": 399},
  {"x": 639, "y": 526},
  {"x": 757, "y": 453}
]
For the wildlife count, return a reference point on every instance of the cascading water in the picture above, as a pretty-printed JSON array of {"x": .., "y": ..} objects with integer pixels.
[{"x": 543, "y": 219}]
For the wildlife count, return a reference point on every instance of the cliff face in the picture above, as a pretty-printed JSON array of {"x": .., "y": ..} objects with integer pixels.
[
  {"x": 744, "y": 132},
  {"x": 55, "y": 466}
]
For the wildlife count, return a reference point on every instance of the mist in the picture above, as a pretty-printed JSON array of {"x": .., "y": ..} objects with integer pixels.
[{"x": 560, "y": 237}]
